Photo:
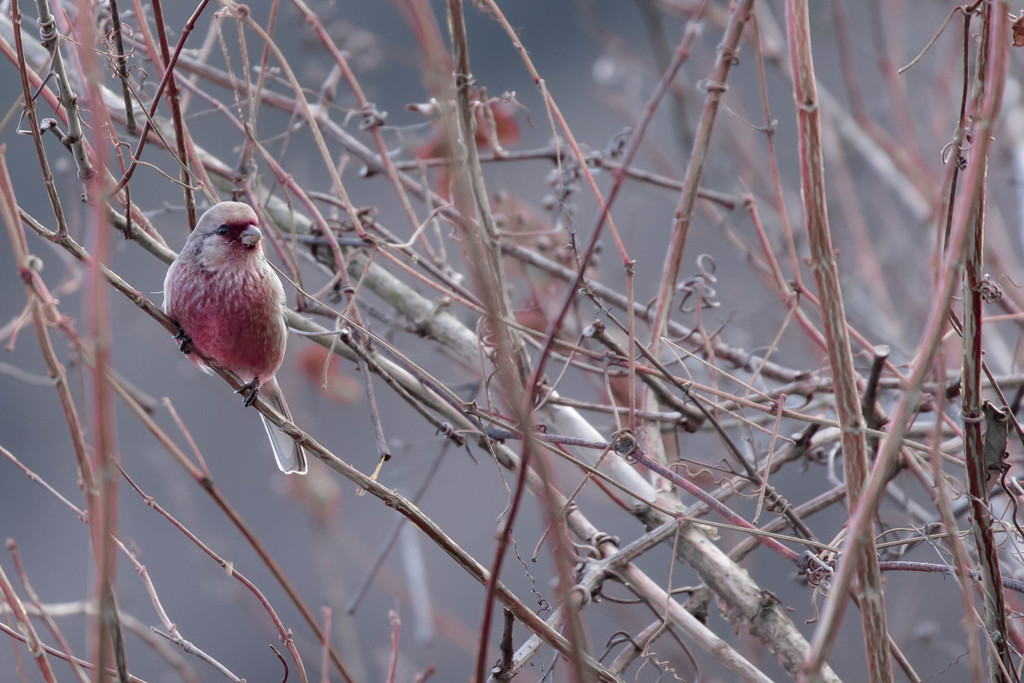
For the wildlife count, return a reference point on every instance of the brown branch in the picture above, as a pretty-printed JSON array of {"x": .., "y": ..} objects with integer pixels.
[
  {"x": 826, "y": 276},
  {"x": 860, "y": 525}
]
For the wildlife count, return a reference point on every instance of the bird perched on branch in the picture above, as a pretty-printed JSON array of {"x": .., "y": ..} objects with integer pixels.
[{"x": 229, "y": 305}]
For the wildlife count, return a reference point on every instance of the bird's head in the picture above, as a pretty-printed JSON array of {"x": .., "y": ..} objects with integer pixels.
[{"x": 226, "y": 236}]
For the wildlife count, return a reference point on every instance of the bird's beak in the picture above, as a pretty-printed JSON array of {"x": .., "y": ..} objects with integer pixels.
[{"x": 251, "y": 236}]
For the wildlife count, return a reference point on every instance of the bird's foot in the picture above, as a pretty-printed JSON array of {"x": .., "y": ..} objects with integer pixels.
[
  {"x": 184, "y": 341},
  {"x": 253, "y": 389}
]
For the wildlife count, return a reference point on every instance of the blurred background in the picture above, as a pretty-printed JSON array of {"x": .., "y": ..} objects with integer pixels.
[{"x": 887, "y": 164}]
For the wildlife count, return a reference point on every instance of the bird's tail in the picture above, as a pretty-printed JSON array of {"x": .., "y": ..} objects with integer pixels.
[{"x": 290, "y": 456}]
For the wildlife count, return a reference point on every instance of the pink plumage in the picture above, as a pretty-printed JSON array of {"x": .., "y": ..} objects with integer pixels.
[{"x": 229, "y": 303}]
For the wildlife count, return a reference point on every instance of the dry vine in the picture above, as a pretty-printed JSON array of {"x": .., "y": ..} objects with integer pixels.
[{"x": 658, "y": 371}]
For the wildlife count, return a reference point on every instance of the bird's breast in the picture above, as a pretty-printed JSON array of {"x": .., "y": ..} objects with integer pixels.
[{"x": 233, "y": 316}]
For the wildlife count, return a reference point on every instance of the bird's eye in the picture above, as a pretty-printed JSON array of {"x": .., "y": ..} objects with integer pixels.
[{"x": 222, "y": 230}]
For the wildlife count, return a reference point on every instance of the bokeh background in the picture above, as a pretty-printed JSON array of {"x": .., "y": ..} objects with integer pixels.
[{"x": 601, "y": 61}]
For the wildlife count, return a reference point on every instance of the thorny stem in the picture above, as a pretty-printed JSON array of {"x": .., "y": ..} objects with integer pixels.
[
  {"x": 511, "y": 360},
  {"x": 826, "y": 276},
  {"x": 965, "y": 219},
  {"x": 121, "y": 62},
  {"x": 33, "y": 119},
  {"x": 173, "y": 99},
  {"x": 164, "y": 82},
  {"x": 391, "y": 498},
  {"x": 199, "y": 476},
  {"x": 32, "y": 638},
  {"x": 68, "y": 99},
  {"x": 402, "y": 374},
  {"x": 44, "y": 613},
  {"x": 716, "y": 88},
  {"x": 1000, "y": 657},
  {"x": 284, "y": 633},
  {"x": 736, "y": 356}
]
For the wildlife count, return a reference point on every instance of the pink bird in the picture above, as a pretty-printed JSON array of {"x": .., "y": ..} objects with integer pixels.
[{"x": 229, "y": 304}]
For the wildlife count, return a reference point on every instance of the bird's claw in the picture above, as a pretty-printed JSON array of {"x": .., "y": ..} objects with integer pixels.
[
  {"x": 184, "y": 341},
  {"x": 253, "y": 388}
]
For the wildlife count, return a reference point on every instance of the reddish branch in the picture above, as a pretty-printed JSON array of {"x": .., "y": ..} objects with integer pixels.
[
  {"x": 860, "y": 525},
  {"x": 826, "y": 276}
]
